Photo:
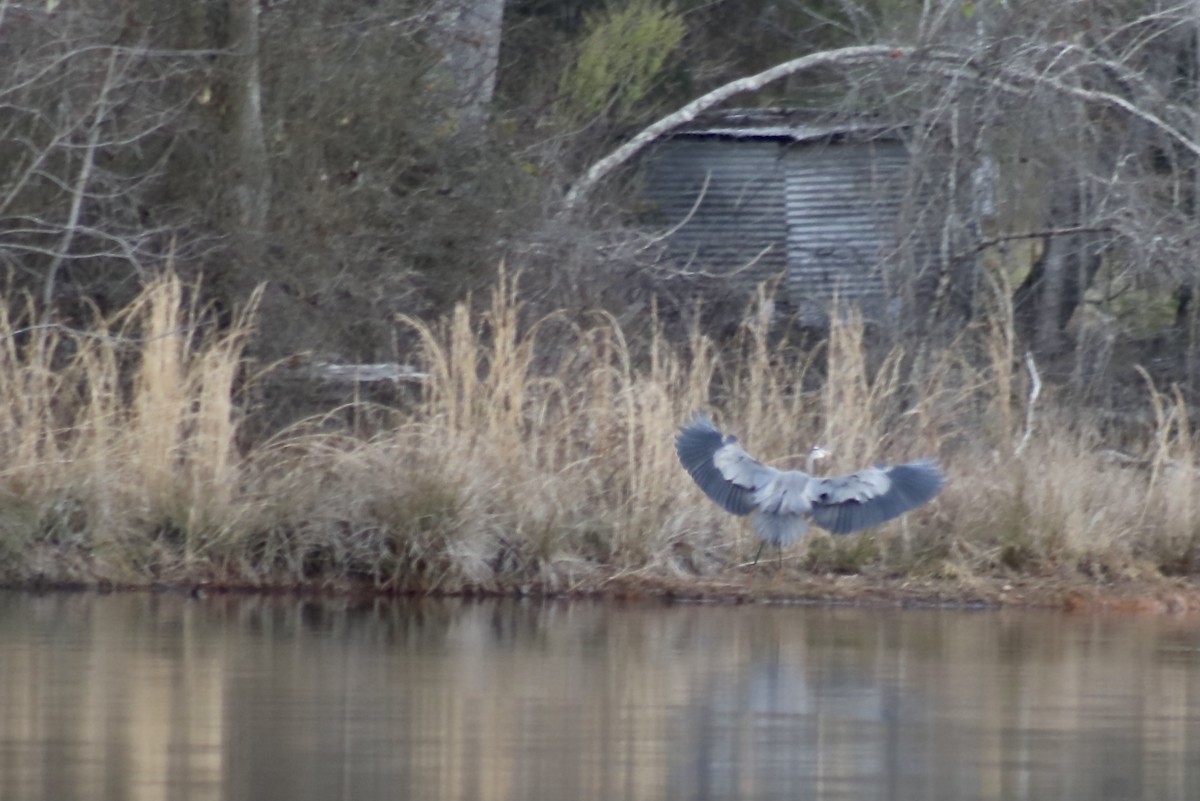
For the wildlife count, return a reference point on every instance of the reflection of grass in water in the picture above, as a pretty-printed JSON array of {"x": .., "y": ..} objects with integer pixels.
[{"x": 540, "y": 456}]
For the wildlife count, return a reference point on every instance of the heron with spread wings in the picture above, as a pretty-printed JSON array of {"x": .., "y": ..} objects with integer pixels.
[{"x": 784, "y": 501}]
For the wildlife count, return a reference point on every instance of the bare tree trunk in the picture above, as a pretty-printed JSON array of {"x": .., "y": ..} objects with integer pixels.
[
  {"x": 1190, "y": 283},
  {"x": 467, "y": 36},
  {"x": 251, "y": 177},
  {"x": 1050, "y": 298}
]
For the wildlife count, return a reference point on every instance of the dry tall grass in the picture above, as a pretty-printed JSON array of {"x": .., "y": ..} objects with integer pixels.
[
  {"x": 119, "y": 440},
  {"x": 540, "y": 456}
]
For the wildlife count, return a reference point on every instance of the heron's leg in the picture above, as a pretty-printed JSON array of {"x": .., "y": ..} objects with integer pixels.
[
  {"x": 779, "y": 563},
  {"x": 758, "y": 553}
]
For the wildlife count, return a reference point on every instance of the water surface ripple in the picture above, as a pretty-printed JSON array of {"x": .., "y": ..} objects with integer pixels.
[{"x": 159, "y": 696}]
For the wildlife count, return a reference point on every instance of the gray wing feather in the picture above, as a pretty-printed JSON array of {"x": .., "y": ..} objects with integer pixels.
[
  {"x": 785, "y": 494},
  {"x": 720, "y": 467},
  {"x": 844, "y": 504}
]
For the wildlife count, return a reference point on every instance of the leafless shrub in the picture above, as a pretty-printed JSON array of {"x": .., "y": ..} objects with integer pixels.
[{"x": 87, "y": 121}]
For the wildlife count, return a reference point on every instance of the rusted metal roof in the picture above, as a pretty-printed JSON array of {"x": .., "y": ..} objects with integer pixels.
[{"x": 792, "y": 125}]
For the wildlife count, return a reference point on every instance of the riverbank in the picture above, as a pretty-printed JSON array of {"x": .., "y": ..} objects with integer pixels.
[
  {"x": 1069, "y": 594},
  {"x": 1157, "y": 596},
  {"x": 537, "y": 457}
]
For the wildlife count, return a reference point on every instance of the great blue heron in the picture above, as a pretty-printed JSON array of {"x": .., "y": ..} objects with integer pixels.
[{"x": 783, "y": 501}]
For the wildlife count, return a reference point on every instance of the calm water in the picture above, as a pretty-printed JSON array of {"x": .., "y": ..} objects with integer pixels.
[{"x": 159, "y": 697}]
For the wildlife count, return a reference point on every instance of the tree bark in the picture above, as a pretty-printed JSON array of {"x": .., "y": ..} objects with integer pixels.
[
  {"x": 251, "y": 174},
  {"x": 467, "y": 36},
  {"x": 1191, "y": 284},
  {"x": 1050, "y": 298}
]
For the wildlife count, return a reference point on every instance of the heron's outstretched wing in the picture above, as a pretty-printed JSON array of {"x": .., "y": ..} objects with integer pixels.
[
  {"x": 844, "y": 504},
  {"x": 725, "y": 472}
]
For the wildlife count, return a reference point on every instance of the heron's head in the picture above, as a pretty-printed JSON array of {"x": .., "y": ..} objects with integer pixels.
[{"x": 815, "y": 455}]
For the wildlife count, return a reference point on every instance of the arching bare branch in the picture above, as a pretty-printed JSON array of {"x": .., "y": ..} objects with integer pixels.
[
  {"x": 841, "y": 57},
  {"x": 949, "y": 62}
]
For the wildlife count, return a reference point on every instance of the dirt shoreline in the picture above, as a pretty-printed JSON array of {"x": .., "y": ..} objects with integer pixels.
[
  {"x": 1154, "y": 596},
  {"x": 1147, "y": 596}
]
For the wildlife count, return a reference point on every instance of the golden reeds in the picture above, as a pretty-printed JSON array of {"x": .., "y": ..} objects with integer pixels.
[
  {"x": 540, "y": 456},
  {"x": 121, "y": 435}
]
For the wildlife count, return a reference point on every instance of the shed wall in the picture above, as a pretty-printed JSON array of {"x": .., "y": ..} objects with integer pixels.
[
  {"x": 844, "y": 203},
  {"x": 727, "y": 199},
  {"x": 828, "y": 215}
]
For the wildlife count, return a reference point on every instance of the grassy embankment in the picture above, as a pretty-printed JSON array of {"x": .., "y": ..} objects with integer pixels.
[{"x": 541, "y": 459}]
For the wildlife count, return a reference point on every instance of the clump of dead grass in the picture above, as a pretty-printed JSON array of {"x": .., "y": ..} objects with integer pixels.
[{"x": 119, "y": 439}]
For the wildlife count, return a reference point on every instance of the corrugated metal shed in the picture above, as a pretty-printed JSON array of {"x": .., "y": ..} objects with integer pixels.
[
  {"x": 753, "y": 195},
  {"x": 727, "y": 203}
]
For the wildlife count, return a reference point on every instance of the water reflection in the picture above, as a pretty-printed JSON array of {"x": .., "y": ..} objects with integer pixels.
[{"x": 162, "y": 697}]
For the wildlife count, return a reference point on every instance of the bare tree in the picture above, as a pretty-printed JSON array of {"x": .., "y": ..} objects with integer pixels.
[{"x": 85, "y": 131}]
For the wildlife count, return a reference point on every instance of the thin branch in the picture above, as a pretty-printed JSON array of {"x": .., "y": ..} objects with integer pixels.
[
  {"x": 1016, "y": 80},
  {"x": 81, "y": 183},
  {"x": 112, "y": 339},
  {"x": 683, "y": 272},
  {"x": 984, "y": 244},
  {"x": 687, "y": 217}
]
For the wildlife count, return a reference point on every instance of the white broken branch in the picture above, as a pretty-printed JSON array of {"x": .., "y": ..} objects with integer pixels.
[
  {"x": 1013, "y": 78},
  {"x": 1035, "y": 389},
  {"x": 842, "y": 56}
]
